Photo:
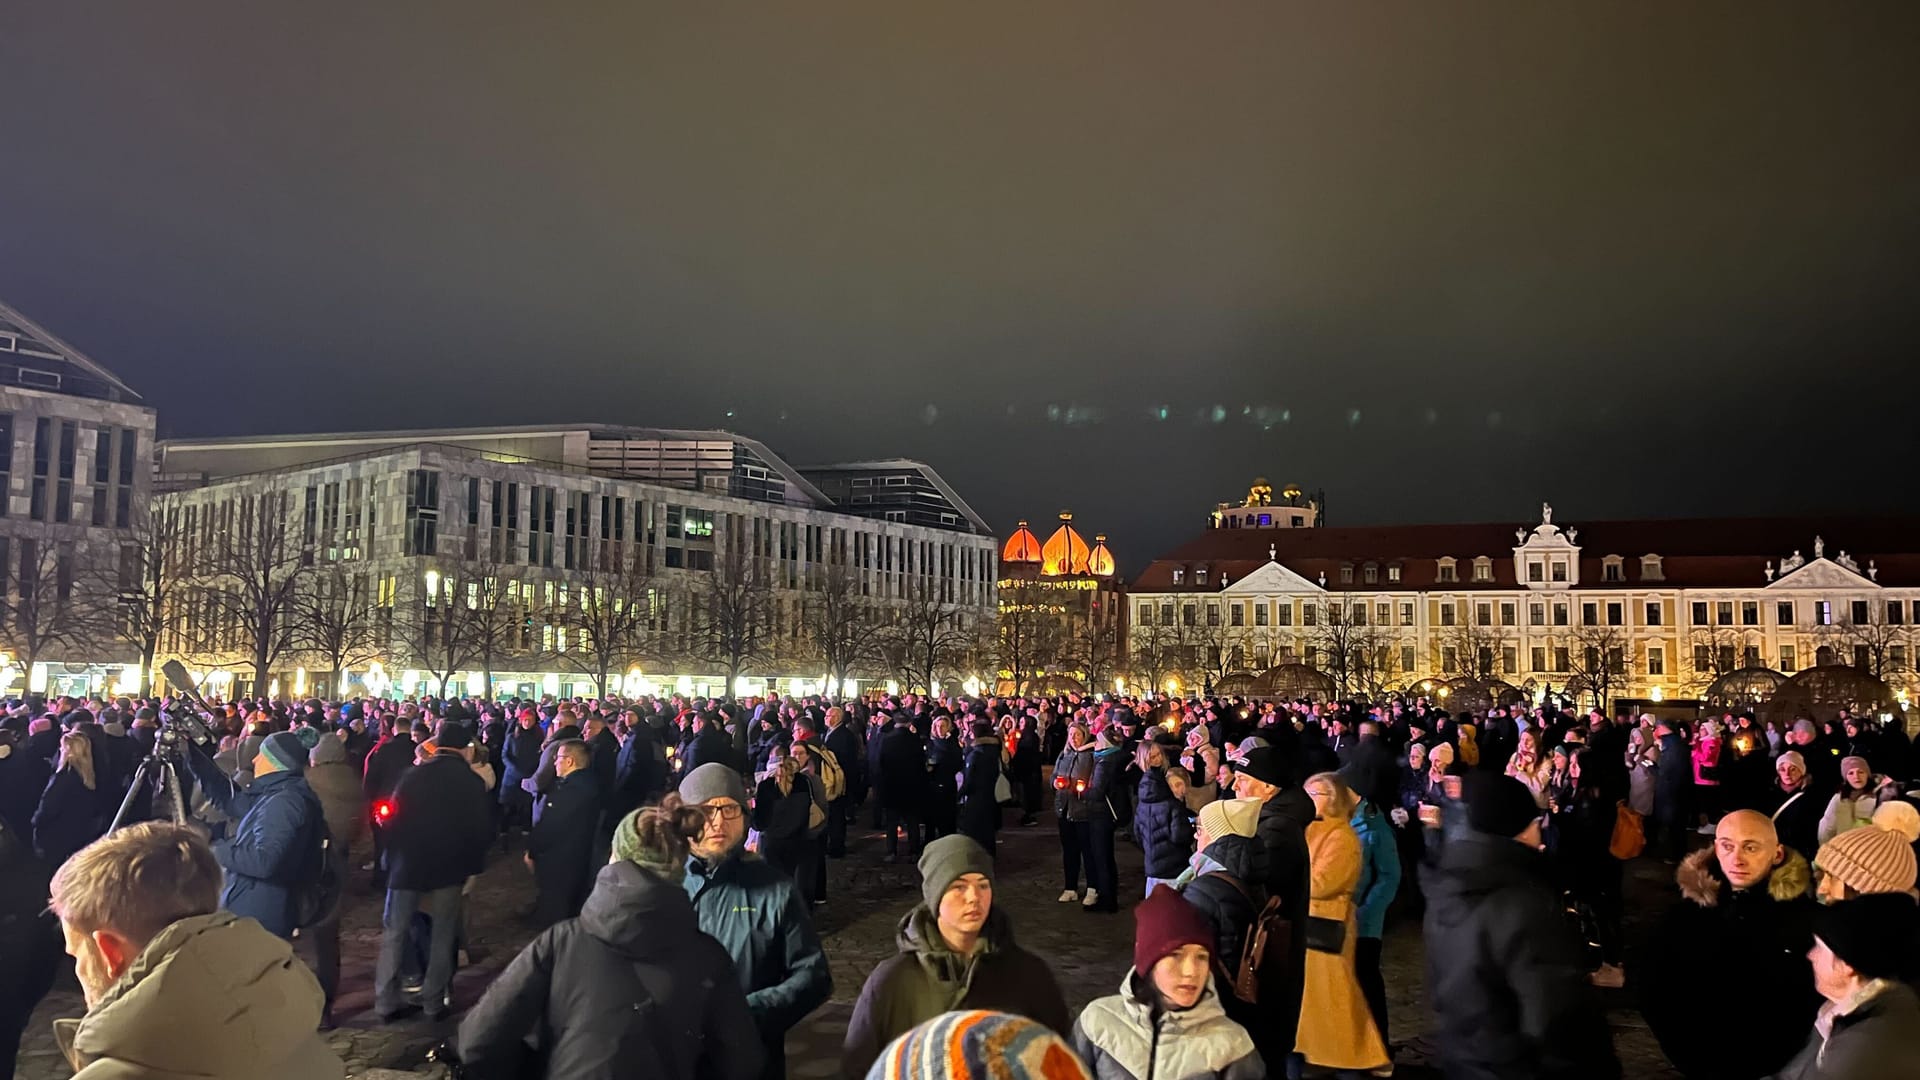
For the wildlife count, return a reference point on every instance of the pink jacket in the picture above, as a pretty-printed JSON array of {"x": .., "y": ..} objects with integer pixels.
[{"x": 1706, "y": 754}]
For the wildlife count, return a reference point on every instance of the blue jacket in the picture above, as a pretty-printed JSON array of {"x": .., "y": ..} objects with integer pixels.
[
  {"x": 1160, "y": 821},
  {"x": 274, "y": 847},
  {"x": 756, "y": 914},
  {"x": 1379, "y": 870}
]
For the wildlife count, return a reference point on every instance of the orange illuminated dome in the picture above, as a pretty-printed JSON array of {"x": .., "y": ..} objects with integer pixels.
[
  {"x": 1021, "y": 547},
  {"x": 1100, "y": 561},
  {"x": 1066, "y": 551}
]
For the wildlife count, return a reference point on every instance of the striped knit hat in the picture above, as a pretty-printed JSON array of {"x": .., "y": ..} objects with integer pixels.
[
  {"x": 1876, "y": 858},
  {"x": 978, "y": 1044}
]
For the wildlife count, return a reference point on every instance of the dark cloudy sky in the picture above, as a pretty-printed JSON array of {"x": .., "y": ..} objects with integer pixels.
[{"x": 1442, "y": 260}]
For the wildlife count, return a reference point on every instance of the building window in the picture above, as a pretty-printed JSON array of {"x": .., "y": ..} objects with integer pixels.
[
  {"x": 1560, "y": 661},
  {"x": 1446, "y": 614},
  {"x": 1383, "y": 614},
  {"x": 1656, "y": 660},
  {"x": 1346, "y": 573},
  {"x": 1897, "y": 657},
  {"x": 42, "y": 464},
  {"x": 1509, "y": 660},
  {"x": 1393, "y": 574},
  {"x": 1483, "y": 614},
  {"x": 1449, "y": 659},
  {"x": 1482, "y": 569},
  {"x": 1406, "y": 659},
  {"x": 1896, "y": 612},
  {"x": 63, "y": 490},
  {"x": 1146, "y": 613},
  {"x": 1536, "y": 570},
  {"x": 1559, "y": 614},
  {"x": 1445, "y": 573},
  {"x": 1509, "y": 613},
  {"x": 1179, "y": 576},
  {"x": 1749, "y": 613},
  {"x": 1859, "y": 612},
  {"x": 1616, "y": 614},
  {"x": 1559, "y": 574},
  {"x": 1406, "y": 614},
  {"x": 1359, "y": 614},
  {"x": 1700, "y": 613},
  {"x": 1612, "y": 569},
  {"x": 1309, "y": 615},
  {"x": 6, "y": 465},
  {"x": 1189, "y": 614},
  {"x": 1536, "y": 614},
  {"x": 1213, "y": 614},
  {"x": 1783, "y": 611},
  {"x": 1237, "y": 615},
  {"x": 1650, "y": 568},
  {"x": 1723, "y": 613},
  {"x": 1166, "y": 614},
  {"x": 1823, "y": 612},
  {"x": 1788, "y": 660},
  {"x": 1653, "y": 613},
  {"x": 1703, "y": 658},
  {"x": 1199, "y": 575},
  {"x": 1260, "y": 613},
  {"x": 1370, "y": 573},
  {"x": 1589, "y": 614}
]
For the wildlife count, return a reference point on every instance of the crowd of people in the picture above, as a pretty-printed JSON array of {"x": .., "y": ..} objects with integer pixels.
[{"x": 670, "y": 842}]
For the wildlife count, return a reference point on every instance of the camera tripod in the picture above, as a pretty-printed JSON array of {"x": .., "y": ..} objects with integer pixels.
[{"x": 159, "y": 773}]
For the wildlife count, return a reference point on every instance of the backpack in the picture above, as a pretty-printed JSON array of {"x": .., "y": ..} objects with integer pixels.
[
  {"x": 317, "y": 894},
  {"x": 831, "y": 776},
  {"x": 816, "y": 806},
  {"x": 1266, "y": 942}
]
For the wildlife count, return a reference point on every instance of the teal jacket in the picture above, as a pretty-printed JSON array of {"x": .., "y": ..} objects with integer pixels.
[
  {"x": 1379, "y": 870},
  {"x": 755, "y": 912}
]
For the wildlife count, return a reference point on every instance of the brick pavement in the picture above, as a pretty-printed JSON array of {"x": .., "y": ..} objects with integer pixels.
[{"x": 1088, "y": 953}]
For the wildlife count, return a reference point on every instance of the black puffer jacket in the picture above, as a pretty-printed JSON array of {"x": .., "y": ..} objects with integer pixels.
[
  {"x": 1503, "y": 970},
  {"x": 1229, "y": 905},
  {"x": 1160, "y": 822},
  {"x": 631, "y": 988},
  {"x": 1072, "y": 775},
  {"x": 1717, "y": 943}
]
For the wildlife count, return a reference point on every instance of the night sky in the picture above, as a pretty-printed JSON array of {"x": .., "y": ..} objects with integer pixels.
[{"x": 1441, "y": 260}]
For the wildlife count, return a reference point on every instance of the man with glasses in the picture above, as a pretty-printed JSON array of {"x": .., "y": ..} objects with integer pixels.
[{"x": 755, "y": 911}]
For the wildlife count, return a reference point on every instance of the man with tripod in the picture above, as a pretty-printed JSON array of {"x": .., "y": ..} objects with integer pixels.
[{"x": 274, "y": 849}]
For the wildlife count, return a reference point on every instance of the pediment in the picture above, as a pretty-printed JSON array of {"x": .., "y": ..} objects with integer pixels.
[
  {"x": 1273, "y": 578},
  {"x": 1824, "y": 574}
]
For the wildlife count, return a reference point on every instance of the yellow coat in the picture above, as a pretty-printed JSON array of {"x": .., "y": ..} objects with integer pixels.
[{"x": 1336, "y": 1027}]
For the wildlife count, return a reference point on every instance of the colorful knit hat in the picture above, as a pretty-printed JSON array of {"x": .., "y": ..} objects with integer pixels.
[
  {"x": 978, "y": 1044},
  {"x": 1876, "y": 858}
]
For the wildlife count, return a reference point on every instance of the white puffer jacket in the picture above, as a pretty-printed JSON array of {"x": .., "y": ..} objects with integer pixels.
[{"x": 1119, "y": 1039}]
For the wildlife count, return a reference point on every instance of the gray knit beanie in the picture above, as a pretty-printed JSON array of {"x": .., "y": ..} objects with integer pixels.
[
  {"x": 947, "y": 860},
  {"x": 712, "y": 781}
]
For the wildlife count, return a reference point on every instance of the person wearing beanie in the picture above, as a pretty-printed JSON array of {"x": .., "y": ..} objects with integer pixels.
[
  {"x": 1862, "y": 791},
  {"x": 1167, "y": 1019},
  {"x": 755, "y": 912},
  {"x": 1281, "y": 870},
  {"x": 978, "y": 1045},
  {"x": 1869, "y": 1024},
  {"x": 1504, "y": 972},
  {"x": 438, "y": 832},
  {"x": 1795, "y": 809},
  {"x": 956, "y": 952},
  {"x": 1743, "y": 920},
  {"x": 278, "y": 832},
  {"x": 1876, "y": 859},
  {"x": 633, "y": 974}
]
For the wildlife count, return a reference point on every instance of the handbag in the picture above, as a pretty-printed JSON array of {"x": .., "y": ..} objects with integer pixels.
[
  {"x": 1629, "y": 834},
  {"x": 1326, "y": 935},
  {"x": 1002, "y": 789}
]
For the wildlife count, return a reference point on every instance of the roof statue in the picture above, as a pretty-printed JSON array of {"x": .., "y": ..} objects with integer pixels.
[
  {"x": 1546, "y": 513},
  {"x": 1819, "y": 548},
  {"x": 1021, "y": 547},
  {"x": 1273, "y": 552},
  {"x": 1791, "y": 563}
]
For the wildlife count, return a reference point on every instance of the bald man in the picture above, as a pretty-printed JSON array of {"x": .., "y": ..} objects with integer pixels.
[{"x": 1738, "y": 935}]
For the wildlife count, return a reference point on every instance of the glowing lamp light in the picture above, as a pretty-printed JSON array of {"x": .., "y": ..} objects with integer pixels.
[
  {"x": 383, "y": 810},
  {"x": 893, "y": 687},
  {"x": 1119, "y": 686},
  {"x": 476, "y": 683},
  {"x": 273, "y": 689},
  {"x": 550, "y": 684},
  {"x": 684, "y": 684},
  {"x": 1659, "y": 693},
  {"x": 299, "y": 682},
  {"x": 970, "y": 686}
]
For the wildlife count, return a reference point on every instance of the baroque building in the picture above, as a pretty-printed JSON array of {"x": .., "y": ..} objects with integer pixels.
[
  {"x": 1602, "y": 612},
  {"x": 531, "y": 560}
]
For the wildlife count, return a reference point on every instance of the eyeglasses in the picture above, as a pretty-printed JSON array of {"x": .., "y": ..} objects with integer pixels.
[{"x": 725, "y": 812}]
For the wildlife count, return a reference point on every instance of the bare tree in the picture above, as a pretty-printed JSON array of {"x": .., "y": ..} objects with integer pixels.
[
  {"x": 734, "y": 615},
  {"x": 254, "y": 575},
  {"x": 1030, "y": 632},
  {"x": 1873, "y": 645},
  {"x": 335, "y": 620},
  {"x": 438, "y": 630},
  {"x": 840, "y": 625},
  {"x": 1476, "y": 646},
  {"x": 56, "y": 604},
  {"x": 1719, "y": 650},
  {"x": 929, "y": 637},
  {"x": 610, "y": 614},
  {"x": 150, "y": 572},
  {"x": 1093, "y": 649},
  {"x": 1602, "y": 658}
]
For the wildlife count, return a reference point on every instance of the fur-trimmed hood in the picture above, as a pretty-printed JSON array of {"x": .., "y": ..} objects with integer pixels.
[{"x": 1701, "y": 881}]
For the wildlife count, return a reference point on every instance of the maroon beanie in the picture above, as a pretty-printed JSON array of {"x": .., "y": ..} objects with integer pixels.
[{"x": 1164, "y": 923}]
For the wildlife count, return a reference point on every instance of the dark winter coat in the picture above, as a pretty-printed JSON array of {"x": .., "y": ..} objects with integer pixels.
[
  {"x": 31, "y": 947},
  {"x": 1027, "y": 759},
  {"x": 928, "y": 978},
  {"x": 848, "y": 752},
  {"x": 23, "y": 778},
  {"x": 708, "y": 747},
  {"x": 70, "y": 817},
  {"x": 979, "y": 810},
  {"x": 273, "y": 848},
  {"x": 441, "y": 827},
  {"x": 338, "y": 790},
  {"x": 641, "y": 775},
  {"x": 1161, "y": 825},
  {"x": 629, "y": 989},
  {"x": 1749, "y": 946},
  {"x": 1796, "y": 820},
  {"x": 1230, "y": 905},
  {"x": 606, "y": 758},
  {"x": 520, "y": 759},
  {"x": 1504, "y": 973},
  {"x": 1879, "y": 1038},
  {"x": 1072, "y": 769},
  {"x": 565, "y": 840},
  {"x": 1672, "y": 777},
  {"x": 781, "y": 820},
  {"x": 944, "y": 764},
  {"x": 1103, "y": 797},
  {"x": 388, "y": 759},
  {"x": 759, "y": 917},
  {"x": 1280, "y": 865},
  {"x": 903, "y": 770}
]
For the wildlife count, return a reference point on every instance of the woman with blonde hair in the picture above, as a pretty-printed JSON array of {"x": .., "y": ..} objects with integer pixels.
[
  {"x": 69, "y": 817},
  {"x": 1337, "y": 1028},
  {"x": 1529, "y": 766}
]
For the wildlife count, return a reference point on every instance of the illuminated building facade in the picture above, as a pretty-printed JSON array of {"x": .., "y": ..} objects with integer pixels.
[
  {"x": 1062, "y": 611},
  {"x": 1655, "y": 610}
]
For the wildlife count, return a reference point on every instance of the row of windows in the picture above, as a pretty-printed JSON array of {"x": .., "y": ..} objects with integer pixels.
[
  {"x": 55, "y": 454},
  {"x": 1539, "y": 613},
  {"x": 1858, "y": 612}
]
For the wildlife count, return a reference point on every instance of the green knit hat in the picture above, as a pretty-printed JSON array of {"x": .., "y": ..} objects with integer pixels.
[{"x": 627, "y": 847}]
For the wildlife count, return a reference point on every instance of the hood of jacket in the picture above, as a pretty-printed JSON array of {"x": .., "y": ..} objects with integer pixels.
[
  {"x": 919, "y": 934},
  {"x": 210, "y": 996},
  {"x": 1200, "y": 1041},
  {"x": 1235, "y": 856},
  {"x": 1701, "y": 881},
  {"x": 638, "y": 913}
]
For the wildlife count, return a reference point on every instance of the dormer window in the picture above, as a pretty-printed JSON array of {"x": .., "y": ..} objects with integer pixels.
[
  {"x": 1537, "y": 570},
  {"x": 1179, "y": 576},
  {"x": 1559, "y": 570},
  {"x": 1482, "y": 568},
  {"x": 1650, "y": 568},
  {"x": 1370, "y": 573},
  {"x": 1346, "y": 573},
  {"x": 1199, "y": 575},
  {"x": 1446, "y": 571},
  {"x": 1613, "y": 568},
  {"x": 1393, "y": 572}
]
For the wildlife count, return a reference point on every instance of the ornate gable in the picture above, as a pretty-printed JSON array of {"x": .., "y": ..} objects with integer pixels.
[{"x": 1273, "y": 578}]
